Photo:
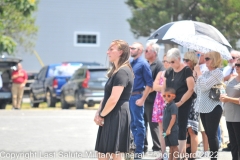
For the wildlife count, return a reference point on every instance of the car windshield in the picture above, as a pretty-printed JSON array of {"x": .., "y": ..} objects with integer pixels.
[
  {"x": 96, "y": 74},
  {"x": 66, "y": 70},
  {"x": 62, "y": 70}
]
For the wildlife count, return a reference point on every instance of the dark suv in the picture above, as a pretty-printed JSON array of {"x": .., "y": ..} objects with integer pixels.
[
  {"x": 85, "y": 86},
  {"x": 7, "y": 65}
]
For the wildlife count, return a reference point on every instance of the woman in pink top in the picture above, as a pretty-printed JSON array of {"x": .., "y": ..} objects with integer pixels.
[{"x": 159, "y": 104}]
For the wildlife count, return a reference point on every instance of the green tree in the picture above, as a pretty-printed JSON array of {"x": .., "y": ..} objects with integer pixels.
[
  {"x": 150, "y": 15},
  {"x": 17, "y": 28}
]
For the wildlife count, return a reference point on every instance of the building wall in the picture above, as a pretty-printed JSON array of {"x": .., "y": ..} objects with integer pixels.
[{"x": 59, "y": 19}]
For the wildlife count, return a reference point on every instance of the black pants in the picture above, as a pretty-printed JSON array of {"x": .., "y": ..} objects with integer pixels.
[
  {"x": 154, "y": 128},
  {"x": 234, "y": 137},
  {"x": 210, "y": 123}
]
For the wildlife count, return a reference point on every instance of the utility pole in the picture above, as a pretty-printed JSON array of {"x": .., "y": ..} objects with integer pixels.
[{"x": 38, "y": 58}]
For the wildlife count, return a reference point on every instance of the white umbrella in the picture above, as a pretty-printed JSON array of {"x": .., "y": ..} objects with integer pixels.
[
  {"x": 202, "y": 43},
  {"x": 171, "y": 30}
]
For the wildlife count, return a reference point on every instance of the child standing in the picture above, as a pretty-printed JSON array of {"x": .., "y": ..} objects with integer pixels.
[{"x": 170, "y": 126}]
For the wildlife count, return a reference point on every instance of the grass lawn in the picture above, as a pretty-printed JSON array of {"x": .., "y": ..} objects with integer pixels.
[{"x": 44, "y": 106}]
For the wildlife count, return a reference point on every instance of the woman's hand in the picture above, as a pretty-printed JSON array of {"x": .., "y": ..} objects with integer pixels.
[
  {"x": 178, "y": 104},
  {"x": 197, "y": 70},
  {"x": 98, "y": 120},
  {"x": 223, "y": 98}
]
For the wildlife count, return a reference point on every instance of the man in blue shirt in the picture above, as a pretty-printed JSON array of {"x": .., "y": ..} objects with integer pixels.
[{"x": 142, "y": 87}]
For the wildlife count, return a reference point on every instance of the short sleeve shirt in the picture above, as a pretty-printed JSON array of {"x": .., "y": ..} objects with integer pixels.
[
  {"x": 177, "y": 80},
  {"x": 232, "y": 110},
  {"x": 169, "y": 110}
]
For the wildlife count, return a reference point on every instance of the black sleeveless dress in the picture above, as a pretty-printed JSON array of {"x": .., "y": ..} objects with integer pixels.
[{"x": 114, "y": 135}]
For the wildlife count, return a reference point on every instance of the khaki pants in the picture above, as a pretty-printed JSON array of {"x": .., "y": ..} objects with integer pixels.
[{"x": 17, "y": 94}]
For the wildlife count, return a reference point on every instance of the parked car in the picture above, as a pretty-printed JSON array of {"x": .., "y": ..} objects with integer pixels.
[
  {"x": 7, "y": 65},
  {"x": 85, "y": 86},
  {"x": 31, "y": 76},
  {"x": 49, "y": 81}
]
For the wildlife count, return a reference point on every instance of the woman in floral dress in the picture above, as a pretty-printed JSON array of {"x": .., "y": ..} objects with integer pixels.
[
  {"x": 159, "y": 104},
  {"x": 190, "y": 59}
]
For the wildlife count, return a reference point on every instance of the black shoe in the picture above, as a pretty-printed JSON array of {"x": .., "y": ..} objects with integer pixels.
[
  {"x": 228, "y": 148},
  {"x": 145, "y": 150}
]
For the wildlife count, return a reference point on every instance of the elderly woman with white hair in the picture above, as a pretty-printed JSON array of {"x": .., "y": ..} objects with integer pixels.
[{"x": 180, "y": 77}]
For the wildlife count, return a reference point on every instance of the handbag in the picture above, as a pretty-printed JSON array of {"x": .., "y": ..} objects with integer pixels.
[{"x": 215, "y": 91}]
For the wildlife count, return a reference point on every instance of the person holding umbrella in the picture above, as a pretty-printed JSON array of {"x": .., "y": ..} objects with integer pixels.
[{"x": 210, "y": 110}]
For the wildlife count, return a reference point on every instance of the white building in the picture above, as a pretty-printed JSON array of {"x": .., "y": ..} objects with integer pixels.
[{"x": 78, "y": 30}]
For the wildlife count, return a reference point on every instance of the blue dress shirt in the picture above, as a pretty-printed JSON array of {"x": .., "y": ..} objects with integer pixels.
[{"x": 142, "y": 73}]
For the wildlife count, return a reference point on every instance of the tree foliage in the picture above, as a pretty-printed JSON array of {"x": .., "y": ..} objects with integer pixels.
[
  {"x": 150, "y": 15},
  {"x": 17, "y": 28}
]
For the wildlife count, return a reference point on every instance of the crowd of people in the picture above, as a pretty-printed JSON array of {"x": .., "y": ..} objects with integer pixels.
[{"x": 172, "y": 97}]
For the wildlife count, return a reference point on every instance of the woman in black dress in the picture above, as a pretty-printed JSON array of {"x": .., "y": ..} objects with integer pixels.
[
  {"x": 113, "y": 116},
  {"x": 180, "y": 77}
]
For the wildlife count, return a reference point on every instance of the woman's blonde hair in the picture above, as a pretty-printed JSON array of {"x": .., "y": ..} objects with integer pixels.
[
  {"x": 192, "y": 57},
  {"x": 124, "y": 58},
  {"x": 216, "y": 59}
]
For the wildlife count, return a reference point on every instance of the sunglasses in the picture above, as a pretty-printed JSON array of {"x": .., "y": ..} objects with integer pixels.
[
  {"x": 237, "y": 65},
  {"x": 207, "y": 59},
  {"x": 186, "y": 60},
  {"x": 168, "y": 95},
  {"x": 132, "y": 48}
]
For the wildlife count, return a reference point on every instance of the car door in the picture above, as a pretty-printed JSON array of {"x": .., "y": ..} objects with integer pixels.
[
  {"x": 38, "y": 85},
  {"x": 73, "y": 85}
]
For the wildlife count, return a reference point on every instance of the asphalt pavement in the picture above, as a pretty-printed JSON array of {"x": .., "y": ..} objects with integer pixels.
[{"x": 54, "y": 135}]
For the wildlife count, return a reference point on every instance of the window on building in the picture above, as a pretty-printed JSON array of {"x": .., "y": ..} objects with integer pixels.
[{"x": 86, "y": 39}]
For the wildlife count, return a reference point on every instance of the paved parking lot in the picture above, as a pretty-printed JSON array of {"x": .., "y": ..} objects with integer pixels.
[{"x": 52, "y": 134}]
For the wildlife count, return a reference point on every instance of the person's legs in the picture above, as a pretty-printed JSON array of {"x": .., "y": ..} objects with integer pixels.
[
  {"x": 219, "y": 136},
  {"x": 19, "y": 96},
  {"x": 194, "y": 140},
  {"x": 162, "y": 141},
  {"x": 154, "y": 128},
  {"x": 132, "y": 125},
  {"x": 146, "y": 130},
  {"x": 210, "y": 123},
  {"x": 137, "y": 127},
  {"x": 234, "y": 137},
  {"x": 222, "y": 128},
  {"x": 14, "y": 95},
  {"x": 183, "y": 113}
]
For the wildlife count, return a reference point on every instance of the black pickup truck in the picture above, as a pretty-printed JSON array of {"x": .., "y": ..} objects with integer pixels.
[{"x": 7, "y": 65}]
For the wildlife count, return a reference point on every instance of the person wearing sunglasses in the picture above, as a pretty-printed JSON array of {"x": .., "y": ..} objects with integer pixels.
[
  {"x": 170, "y": 120},
  {"x": 180, "y": 77},
  {"x": 230, "y": 70},
  {"x": 151, "y": 54},
  {"x": 142, "y": 86},
  {"x": 158, "y": 106},
  {"x": 191, "y": 59},
  {"x": 210, "y": 110},
  {"x": 232, "y": 111}
]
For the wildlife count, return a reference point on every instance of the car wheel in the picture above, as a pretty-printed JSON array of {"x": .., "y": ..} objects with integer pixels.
[
  {"x": 64, "y": 104},
  {"x": 32, "y": 99},
  {"x": 3, "y": 105},
  {"x": 91, "y": 103},
  {"x": 51, "y": 101},
  {"x": 78, "y": 103}
]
